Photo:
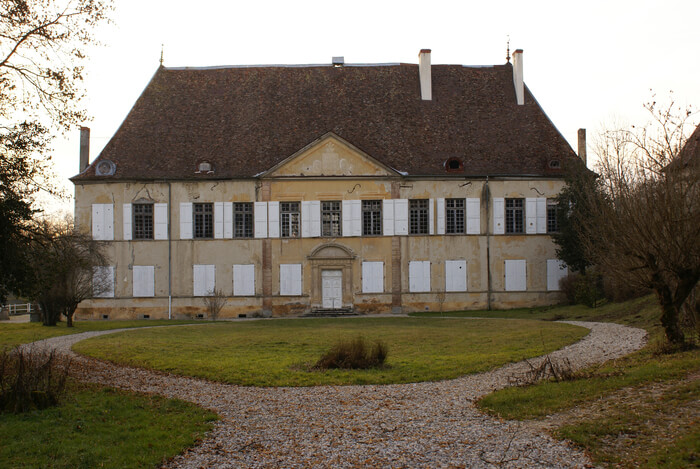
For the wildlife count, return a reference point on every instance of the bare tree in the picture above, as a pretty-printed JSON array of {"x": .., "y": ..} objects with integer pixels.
[
  {"x": 62, "y": 263},
  {"x": 215, "y": 302},
  {"x": 645, "y": 222}
]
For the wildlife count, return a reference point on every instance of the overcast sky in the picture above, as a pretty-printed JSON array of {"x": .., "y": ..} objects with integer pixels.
[{"x": 587, "y": 63}]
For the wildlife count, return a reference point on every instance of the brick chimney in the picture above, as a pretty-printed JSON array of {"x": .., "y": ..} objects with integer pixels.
[
  {"x": 426, "y": 85},
  {"x": 518, "y": 76},
  {"x": 582, "y": 145},
  {"x": 84, "y": 148}
]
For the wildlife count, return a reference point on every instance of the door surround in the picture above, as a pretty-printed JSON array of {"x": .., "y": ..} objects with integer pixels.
[{"x": 331, "y": 256}]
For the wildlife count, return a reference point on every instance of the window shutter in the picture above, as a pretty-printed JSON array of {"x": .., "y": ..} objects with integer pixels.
[
  {"x": 218, "y": 220},
  {"x": 160, "y": 218},
  {"x": 228, "y": 220},
  {"x": 440, "y": 216},
  {"x": 109, "y": 221},
  {"x": 456, "y": 275},
  {"x": 203, "y": 279},
  {"x": 372, "y": 277},
  {"x": 356, "y": 218},
  {"x": 290, "y": 279},
  {"x": 98, "y": 230},
  {"x": 315, "y": 218},
  {"x": 103, "y": 281},
  {"x": 127, "y": 221},
  {"x": 556, "y": 270},
  {"x": 388, "y": 217},
  {"x": 197, "y": 280},
  {"x": 260, "y": 219},
  {"x": 186, "y": 220},
  {"x": 273, "y": 219},
  {"x": 244, "y": 280},
  {"x": 431, "y": 216},
  {"x": 541, "y": 215},
  {"x": 516, "y": 275},
  {"x": 419, "y": 276},
  {"x": 531, "y": 215},
  {"x": 473, "y": 216},
  {"x": 305, "y": 219},
  {"x": 347, "y": 217},
  {"x": 499, "y": 211},
  {"x": 401, "y": 216},
  {"x": 143, "y": 279}
]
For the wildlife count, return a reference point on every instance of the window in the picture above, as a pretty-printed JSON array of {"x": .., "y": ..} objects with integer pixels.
[
  {"x": 418, "y": 216},
  {"x": 372, "y": 277},
  {"x": 290, "y": 279},
  {"x": 143, "y": 280},
  {"x": 243, "y": 220},
  {"x": 419, "y": 276},
  {"x": 289, "y": 219},
  {"x": 203, "y": 220},
  {"x": 331, "y": 219},
  {"x": 556, "y": 270},
  {"x": 143, "y": 221},
  {"x": 103, "y": 281},
  {"x": 103, "y": 221},
  {"x": 203, "y": 279},
  {"x": 516, "y": 275},
  {"x": 455, "y": 275},
  {"x": 371, "y": 217},
  {"x": 454, "y": 216},
  {"x": 514, "y": 216},
  {"x": 552, "y": 221},
  {"x": 244, "y": 280}
]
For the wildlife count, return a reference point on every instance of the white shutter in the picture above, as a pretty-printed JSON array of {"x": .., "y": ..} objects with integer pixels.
[
  {"x": 356, "y": 217},
  {"x": 127, "y": 221},
  {"x": 160, "y": 219},
  {"x": 541, "y": 215},
  {"x": 531, "y": 215},
  {"x": 98, "y": 229},
  {"x": 372, "y": 277},
  {"x": 244, "y": 280},
  {"x": 306, "y": 219},
  {"x": 186, "y": 220},
  {"x": 440, "y": 216},
  {"x": 109, "y": 221},
  {"x": 290, "y": 279},
  {"x": 499, "y": 212},
  {"x": 473, "y": 216},
  {"x": 218, "y": 220},
  {"x": 103, "y": 281},
  {"x": 456, "y": 275},
  {"x": 401, "y": 216},
  {"x": 388, "y": 217},
  {"x": 261, "y": 219},
  {"x": 273, "y": 219},
  {"x": 347, "y": 217},
  {"x": 419, "y": 276},
  {"x": 143, "y": 279},
  {"x": 315, "y": 218},
  {"x": 197, "y": 280},
  {"x": 228, "y": 220},
  {"x": 556, "y": 270},
  {"x": 431, "y": 216},
  {"x": 203, "y": 279},
  {"x": 516, "y": 275}
]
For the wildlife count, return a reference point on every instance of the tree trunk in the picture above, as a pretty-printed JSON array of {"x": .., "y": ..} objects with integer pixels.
[
  {"x": 670, "y": 320},
  {"x": 69, "y": 320}
]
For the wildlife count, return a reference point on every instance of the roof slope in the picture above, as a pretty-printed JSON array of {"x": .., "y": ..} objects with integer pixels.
[
  {"x": 245, "y": 120},
  {"x": 690, "y": 154}
]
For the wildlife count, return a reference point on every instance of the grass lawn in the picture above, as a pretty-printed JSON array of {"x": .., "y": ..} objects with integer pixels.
[
  {"x": 101, "y": 427},
  {"x": 279, "y": 352},
  {"x": 13, "y": 334}
]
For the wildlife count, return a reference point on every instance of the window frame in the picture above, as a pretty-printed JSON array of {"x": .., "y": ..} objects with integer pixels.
[
  {"x": 513, "y": 215},
  {"x": 552, "y": 216},
  {"x": 246, "y": 227},
  {"x": 139, "y": 222},
  {"x": 203, "y": 220},
  {"x": 372, "y": 222},
  {"x": 290, "y": 219},
  {"x": 419, "y": 216},
  {"x": 452, "y": 216},
  {"x": 330, "y": 208}
]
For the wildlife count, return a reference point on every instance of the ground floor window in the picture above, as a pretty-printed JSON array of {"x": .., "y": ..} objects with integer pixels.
[
  {"x": 455, "y": 276},
  {"x": 290, "y": 279},
  {"x": 419, "y": 276},
  {"x": 143, "y": 280},
  {"x": 372, "y": 277},
  {"x": 516, "y": 275}
]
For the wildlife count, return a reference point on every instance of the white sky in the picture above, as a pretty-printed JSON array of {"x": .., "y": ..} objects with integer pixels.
[{"x": 587, "y": 63}]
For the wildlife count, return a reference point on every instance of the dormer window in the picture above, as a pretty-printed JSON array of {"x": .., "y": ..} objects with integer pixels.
[
  {"x": 204, "y": 167},
  {"x": 554, "y": 164},
  {"x": 453, "y": 165}
]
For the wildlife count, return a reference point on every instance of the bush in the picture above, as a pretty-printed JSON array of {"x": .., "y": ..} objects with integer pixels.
[
  {"x": 31, "y": 379},
  {"x": 618, "y": 291},
  {"x": 353, "y": 354},
  {"x": 582, "y": 288}
]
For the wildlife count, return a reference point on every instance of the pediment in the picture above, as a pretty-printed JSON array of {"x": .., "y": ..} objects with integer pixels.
[
  {"x": 332, "y": 251},
  {"x": 330, "y": 156}
]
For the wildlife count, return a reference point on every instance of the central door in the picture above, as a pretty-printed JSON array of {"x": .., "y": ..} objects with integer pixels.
[{"x": 332, "y": 289}]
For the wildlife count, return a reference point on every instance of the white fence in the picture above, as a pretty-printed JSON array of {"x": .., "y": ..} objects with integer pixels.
[{"x": 21, "y": 308}]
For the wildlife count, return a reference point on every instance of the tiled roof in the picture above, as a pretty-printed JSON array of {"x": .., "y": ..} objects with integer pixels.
[
  {"x": 244, "y": 120},
  {"x": 691, "y": 150}
]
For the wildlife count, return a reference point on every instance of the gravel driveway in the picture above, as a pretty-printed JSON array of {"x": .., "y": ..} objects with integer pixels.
[{"x": 403, "y": 425}]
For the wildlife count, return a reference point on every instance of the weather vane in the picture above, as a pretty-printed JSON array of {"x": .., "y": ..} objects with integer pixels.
[
  {"x": 161, "y": 54},
  {"x": 507, "y": 50}
]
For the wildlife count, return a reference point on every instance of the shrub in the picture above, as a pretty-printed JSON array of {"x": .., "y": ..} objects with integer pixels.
[
  {"x": 353, "y": 354},
  {"x": 31, "y": 379},
  {"x": 215, "y": 303},
  {"x": 617, "y": 290},
  {"x": 582, "y": 288}
]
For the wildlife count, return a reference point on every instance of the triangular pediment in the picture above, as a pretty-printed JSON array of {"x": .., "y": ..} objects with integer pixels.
[{"x": 330, "y": 156}]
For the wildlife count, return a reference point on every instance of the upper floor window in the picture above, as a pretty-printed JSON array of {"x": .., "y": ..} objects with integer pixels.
[
  {"x": 290, "y": 217},
  {"x": 371, "y": 217},
  {"x": 203, "y": 220},
  {"x": 418, "y": 216},
  {"x": 552, "y": 216},
  {"x": 454, "y": 216},
  {"x": 243, "y": 220},
  {"x": 143, "y": 221},
  {"x": 514, "y": 216},
  {"x": 331, "y": 219}
]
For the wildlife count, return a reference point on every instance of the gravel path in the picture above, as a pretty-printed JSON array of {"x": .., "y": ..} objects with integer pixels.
[{"x": 404, "y": 425}]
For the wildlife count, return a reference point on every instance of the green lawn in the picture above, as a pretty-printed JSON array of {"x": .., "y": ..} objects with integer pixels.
[
  {"x": 101, "y": 427},
  {"x": 278, "y": 352}
]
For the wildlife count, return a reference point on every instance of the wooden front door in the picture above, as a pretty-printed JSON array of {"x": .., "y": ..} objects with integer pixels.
[{"x": 332, "y": 289}]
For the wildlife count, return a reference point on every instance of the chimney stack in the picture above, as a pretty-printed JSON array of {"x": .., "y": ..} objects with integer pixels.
[
  {"x": 582, "y": 145},
  {"x": 518, "y": 76},
  {"x": 426, "y": 86},
  {"x": 84, "y": 147}
]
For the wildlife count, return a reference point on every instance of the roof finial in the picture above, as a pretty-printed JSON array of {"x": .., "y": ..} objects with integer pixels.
[
  {"x": 161, "y": 55},
  {"x": 507, "y": 50}
]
